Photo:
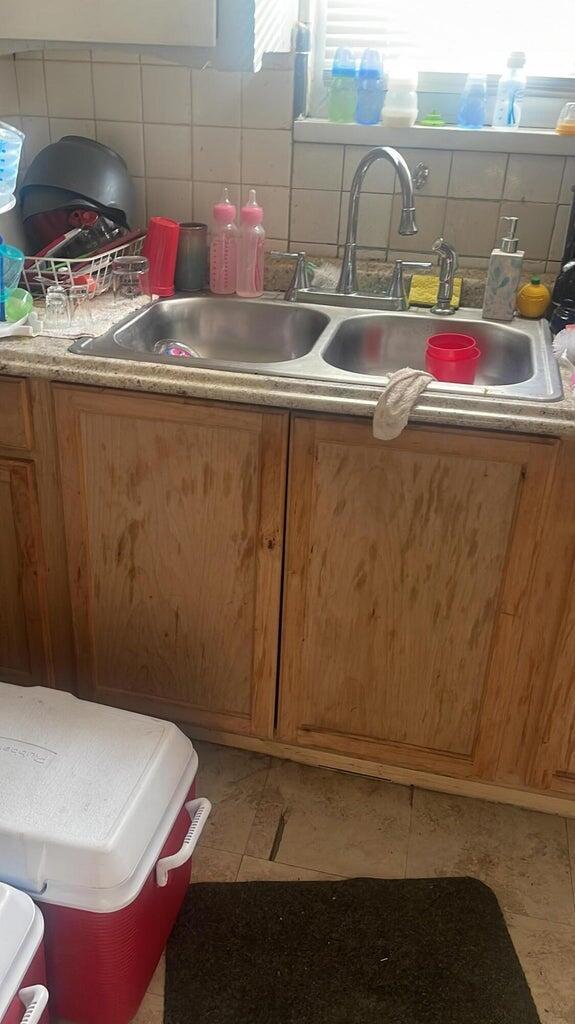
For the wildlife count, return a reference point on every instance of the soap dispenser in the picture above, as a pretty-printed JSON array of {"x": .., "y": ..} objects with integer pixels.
[{"x": 503, "y": 276}]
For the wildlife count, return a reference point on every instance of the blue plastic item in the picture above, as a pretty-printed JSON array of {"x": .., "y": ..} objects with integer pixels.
[
  {"x": 510, "y": 93},
  {"x": 343, "y": 91},
  {"x": 473, "y": 106},
  {"x": 10, "y": 149},
  {"x": 369, "y": 89}
]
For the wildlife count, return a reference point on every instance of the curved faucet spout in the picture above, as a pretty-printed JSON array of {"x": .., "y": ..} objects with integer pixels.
[{"x": 407, "y": 226}]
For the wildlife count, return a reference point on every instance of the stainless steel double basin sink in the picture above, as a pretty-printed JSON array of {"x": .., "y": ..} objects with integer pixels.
[{"x": 325, "y": 343}]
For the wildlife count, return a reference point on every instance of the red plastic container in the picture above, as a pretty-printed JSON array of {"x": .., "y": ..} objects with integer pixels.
[
  {"x": 97, "y": 824},
  {"x": 161, "y": 248},
  {"x": 23, "y": 992},
  {"x": 452, "y": 358}
]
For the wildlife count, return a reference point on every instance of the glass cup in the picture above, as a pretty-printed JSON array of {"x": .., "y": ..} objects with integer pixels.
[
  {"x": 130, "y": 278},
  {"x": 57, "y": 313},
  {"x": 80, "y": 310}
]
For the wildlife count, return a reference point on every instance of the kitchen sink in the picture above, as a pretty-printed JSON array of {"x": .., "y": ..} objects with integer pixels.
[{"x": 338, "y": 344}]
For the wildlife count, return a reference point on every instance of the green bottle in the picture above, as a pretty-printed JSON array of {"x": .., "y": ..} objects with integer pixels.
[{"x": 343, "y": 90}]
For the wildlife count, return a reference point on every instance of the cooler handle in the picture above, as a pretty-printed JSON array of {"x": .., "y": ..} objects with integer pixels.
[
  {"x": 35, "y": 999},
  {"x": 199, "y": 811}
]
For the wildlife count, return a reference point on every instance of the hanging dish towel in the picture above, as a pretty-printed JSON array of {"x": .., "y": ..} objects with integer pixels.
[{"x": 393, "y": 409}]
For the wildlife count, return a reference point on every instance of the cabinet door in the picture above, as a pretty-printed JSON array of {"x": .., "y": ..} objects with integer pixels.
[
  {"x": 174, "y": 525},
  {"x": 23, "y": 604},
  {"x": 407, "y": 568}
]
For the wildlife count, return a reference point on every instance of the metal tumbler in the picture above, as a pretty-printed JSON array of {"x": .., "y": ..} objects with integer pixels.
[{"x": 192, "y": 258}]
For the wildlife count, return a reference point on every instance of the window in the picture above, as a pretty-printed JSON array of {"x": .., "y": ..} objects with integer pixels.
[{"x": 451, "y": 37}]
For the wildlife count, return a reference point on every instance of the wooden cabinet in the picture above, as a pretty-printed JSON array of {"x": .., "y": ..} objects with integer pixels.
[
  {"x": 24, "y": 643},
  {"x": 407, "y": 581},
  {"x": 174, "y": 520}
]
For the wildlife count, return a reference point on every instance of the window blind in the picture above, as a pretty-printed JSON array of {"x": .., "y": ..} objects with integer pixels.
[{"x": 453, "y": 37}]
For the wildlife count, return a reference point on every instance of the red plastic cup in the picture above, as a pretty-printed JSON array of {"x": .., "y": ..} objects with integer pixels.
[
  {"x": 161, "y": 249},
  {"x": 452, "y": 358}
]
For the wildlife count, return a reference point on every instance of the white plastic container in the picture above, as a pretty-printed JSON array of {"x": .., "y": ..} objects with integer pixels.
[
  {"x": 97, "y": 824},
  {"x": 510, "y": 93},
  {"x": 23, "y": 992},
  {"x": 400, "y": 106}
]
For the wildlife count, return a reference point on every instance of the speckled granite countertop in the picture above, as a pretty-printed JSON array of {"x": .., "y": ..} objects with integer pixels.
[{"x": 49, "y": 358}]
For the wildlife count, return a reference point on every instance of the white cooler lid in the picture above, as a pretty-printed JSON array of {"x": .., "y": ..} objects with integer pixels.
[
  {"x": 89, "y": 794},
  {"x": 21, "y": 931}
]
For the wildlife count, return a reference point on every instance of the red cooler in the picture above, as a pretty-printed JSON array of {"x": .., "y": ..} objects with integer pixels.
[
  {"x": 98, "y": 822},
  {"x": 23, "y": 992}
]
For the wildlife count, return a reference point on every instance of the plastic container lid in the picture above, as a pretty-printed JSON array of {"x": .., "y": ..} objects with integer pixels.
[
  {"x": 21, "y": 932},
  {"x": 370, "y": 67},
  {"x": 343, "y": 63},
  {"x": 225, "y": 211},
  {"x": 89, "y": 795},
  {"x": 516, "y": 59}
]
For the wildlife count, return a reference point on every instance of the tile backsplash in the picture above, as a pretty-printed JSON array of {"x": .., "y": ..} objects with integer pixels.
[{"x": 184, "y": 134}]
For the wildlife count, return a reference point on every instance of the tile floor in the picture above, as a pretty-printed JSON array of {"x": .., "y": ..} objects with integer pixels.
[{"x": 279, "y": 820}]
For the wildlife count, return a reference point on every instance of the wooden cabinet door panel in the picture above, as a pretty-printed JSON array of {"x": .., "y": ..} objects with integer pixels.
[
  {"x": 402, "y": 561},
  {"x": 23, "y": 633},
  {"x": 174, "y": 520}
]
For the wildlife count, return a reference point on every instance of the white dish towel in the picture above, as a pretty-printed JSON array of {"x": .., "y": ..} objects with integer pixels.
[{"x": 401, "y": 394}]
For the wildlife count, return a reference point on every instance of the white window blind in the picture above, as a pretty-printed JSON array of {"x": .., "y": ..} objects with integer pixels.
[{"x": 451, "y": 36}]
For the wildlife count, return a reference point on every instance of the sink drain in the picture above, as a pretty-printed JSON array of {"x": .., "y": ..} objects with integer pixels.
[{"x": 176, "y": 349}]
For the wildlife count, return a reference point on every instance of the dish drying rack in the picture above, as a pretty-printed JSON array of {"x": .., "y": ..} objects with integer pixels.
[{"x": 39, "y": 272}]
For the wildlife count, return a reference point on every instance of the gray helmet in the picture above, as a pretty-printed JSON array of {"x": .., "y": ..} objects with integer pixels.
[{"x": 79, "y": 169}]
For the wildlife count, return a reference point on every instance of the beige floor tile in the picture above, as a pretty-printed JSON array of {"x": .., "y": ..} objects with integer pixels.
[
  {"x": 151, "y": 1011},
  {"x": 547, "y": 954},
  {"x": 233, "y": 780},
  {"x": 254, "y": 870},
  {"x": 331, "y": 822},
  {"x": 156, "y": 986},
  {"x": 521, "y": 854},
  {"x": 214, "y": 865}
]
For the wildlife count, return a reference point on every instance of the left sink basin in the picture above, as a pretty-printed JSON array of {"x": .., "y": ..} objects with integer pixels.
[{"x": 208, "y": 330}]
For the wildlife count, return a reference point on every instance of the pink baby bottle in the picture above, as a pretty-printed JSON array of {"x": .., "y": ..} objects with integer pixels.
[
  {"x": 250, "y": 280},
  {"x": 224, "y": 248}
]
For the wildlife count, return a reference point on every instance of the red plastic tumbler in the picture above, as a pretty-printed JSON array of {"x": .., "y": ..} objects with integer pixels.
[
  {"x": 452, "y": 358},
  {"x": 161, "y": 248}
]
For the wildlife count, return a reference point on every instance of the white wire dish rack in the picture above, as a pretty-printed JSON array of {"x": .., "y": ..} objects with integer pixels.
[{"x": 40, "y": 272}]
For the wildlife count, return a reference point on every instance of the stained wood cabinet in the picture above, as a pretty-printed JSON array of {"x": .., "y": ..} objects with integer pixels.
[
  {"x": 174, "y": 522},
  {"x": 407, "y": 582}
]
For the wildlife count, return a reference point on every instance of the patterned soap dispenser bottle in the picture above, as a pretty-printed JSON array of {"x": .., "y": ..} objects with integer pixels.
[{"x": 503, "y": 276}]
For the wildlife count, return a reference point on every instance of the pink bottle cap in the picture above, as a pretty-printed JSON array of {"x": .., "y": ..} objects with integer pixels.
[
  {"x": 224, "y": 211},
  {"x": 251, "y": 213}
]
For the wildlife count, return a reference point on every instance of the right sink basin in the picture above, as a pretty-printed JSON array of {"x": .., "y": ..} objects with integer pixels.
[{"x": 378, "y": 345}]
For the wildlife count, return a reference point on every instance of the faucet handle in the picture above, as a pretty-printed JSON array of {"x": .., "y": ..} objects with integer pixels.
[
  {"x": 415, "y": 264},
  {"x": 300, "y": 279},
  {"x": 397, "y": 289}
]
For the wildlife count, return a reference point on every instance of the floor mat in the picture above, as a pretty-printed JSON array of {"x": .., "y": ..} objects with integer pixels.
[{"x": 363, "y": 951}]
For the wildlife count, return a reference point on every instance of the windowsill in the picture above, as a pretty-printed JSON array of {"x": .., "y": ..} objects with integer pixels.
[{"x": 493, "y": 140}]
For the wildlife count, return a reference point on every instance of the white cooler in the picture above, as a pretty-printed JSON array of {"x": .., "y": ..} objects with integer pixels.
[
  {"x": 23, "y": 992},
  {"x": 98, "y": 822}
]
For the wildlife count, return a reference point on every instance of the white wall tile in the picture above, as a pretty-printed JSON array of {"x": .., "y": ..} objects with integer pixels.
[
  {"x": 29, "y": 55},
  {"x": 168, "y": 150},
  {"x": 166, "y": 198},
  {"x": 217, "y": 154},
  {"x": 559, "y": 235},
  {"x": 217, "y": 98},
  {"x": 207, "y": 194},
  {"x": 536, "y": 221},
  {"x": 31, "y": 87},
  {"x": 37, "y": 132},
  {"x": 567, "y": 195},
  {"x": 53, "y": 54},
  {"x": 167, "y": 95},
  {"x": 477, "y": 175},
  {"x": 267, "y": 99},
  {"x": 115, "y": 56},
  {"x": 60, "y": 126},
  {"x": 552, "y": 267},
  {"x": 8, "y": 89},
  {"x": 379, "y": 178},
  {"x": 534, "y": 178},
  {"x": 438, "y": 161},
  {"x": 374, "y": 221},
  {"x": 69, "y": 89},
  {"x": 430, "y": 215},
  {"x": 471, "y": 226},
  {"x": 140, "y": 212},
  {"x": 117, "y": 92},
  {"x": 317, "y": 166},
  {"x": 276, "y": 205},
  {"x": 315, "y": 248},
  {"x": 314, "y": 215},
  {"x": 127, "y": 138},
  {"x": 266, "y": 157}
]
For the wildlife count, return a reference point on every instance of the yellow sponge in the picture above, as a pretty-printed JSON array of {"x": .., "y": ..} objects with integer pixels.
[{"x": 423, "y": 291}]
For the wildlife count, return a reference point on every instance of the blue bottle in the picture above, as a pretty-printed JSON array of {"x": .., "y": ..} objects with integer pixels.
[
  {"x": 343, "y": 91},
  {"x": 472, "y": 109},
  {"x": 369, "y": 89}
]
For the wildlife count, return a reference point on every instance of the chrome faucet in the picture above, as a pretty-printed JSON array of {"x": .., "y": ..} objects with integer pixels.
[
  {"x": 347, "y": 284},
  {"x": 447, "y": 258}
]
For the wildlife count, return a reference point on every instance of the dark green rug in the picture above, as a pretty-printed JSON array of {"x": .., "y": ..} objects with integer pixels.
[{"x": 364, "y": 951}]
